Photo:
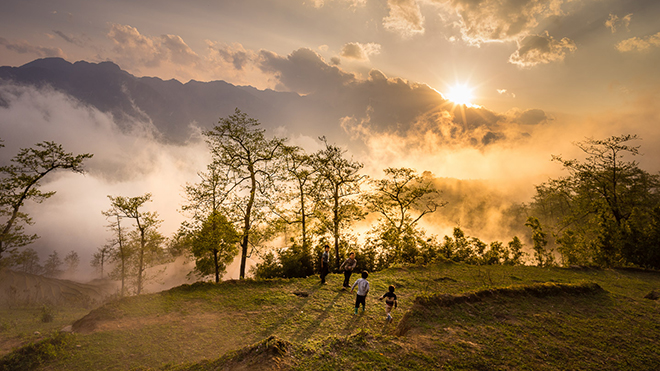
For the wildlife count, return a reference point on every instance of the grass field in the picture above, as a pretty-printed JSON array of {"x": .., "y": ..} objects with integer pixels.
[{"x": 300, "y": 324}]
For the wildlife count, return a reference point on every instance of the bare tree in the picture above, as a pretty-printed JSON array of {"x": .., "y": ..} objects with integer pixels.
[{"x": 145, "y": 234}]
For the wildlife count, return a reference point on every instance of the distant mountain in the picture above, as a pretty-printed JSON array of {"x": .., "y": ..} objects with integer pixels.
[{"x": 170, "y": 105}]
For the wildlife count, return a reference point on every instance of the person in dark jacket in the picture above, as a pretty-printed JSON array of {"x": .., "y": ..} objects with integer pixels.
[
  {"x": 325, "y": 264},
  {"x": 347, "y": 266}
]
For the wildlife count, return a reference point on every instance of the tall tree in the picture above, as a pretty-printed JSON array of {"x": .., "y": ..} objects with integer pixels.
[
  {"x": 338, "y": 186},
  {"x": 240, "y": 148},
  {"x": 299, "y": 199},
  {"x": 20, "y": 181},
  {"x": 145, "y": 235},
  {"x": 402, "y": 199}
]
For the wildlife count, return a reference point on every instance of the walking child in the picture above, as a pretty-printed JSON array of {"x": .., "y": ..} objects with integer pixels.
[
  {"x": 363, "y": 288},
  {"x": 390, "y": 301}
]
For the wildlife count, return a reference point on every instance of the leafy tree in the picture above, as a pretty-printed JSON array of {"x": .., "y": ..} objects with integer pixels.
[
  {"x": 119, "y": 248},
  {"x": 241, "y": 150},
  {"x": 53, "y": 265},
  {"x": 402, "y": 199},
  {"x": 514, "y": 254},
  {"x": 20, "y": 181},
  {"x": 268, "y": 267},
  {"x": 101, "y": 257},
  {"x": 599, "y": 211},
  {"x": 71, "y": 260},
  {"x": 26, "y": 261},
  {"x": 145, "y": 236},
  {"x": 544, "y": 257},
  {"x": 338, "y": 186},
  {"x": 214, "y": 246}
]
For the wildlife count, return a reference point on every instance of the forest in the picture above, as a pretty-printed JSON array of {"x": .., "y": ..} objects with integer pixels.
[{"x": 604, "y": 212}]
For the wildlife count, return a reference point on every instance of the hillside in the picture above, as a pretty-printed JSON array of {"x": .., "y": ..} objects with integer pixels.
[
  {"x": 19, "y": 288},
  {"x": 450, "y": 316}
]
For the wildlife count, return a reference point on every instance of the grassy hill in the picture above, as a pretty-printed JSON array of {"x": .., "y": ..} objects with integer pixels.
[{"x": 451, "y": 316}]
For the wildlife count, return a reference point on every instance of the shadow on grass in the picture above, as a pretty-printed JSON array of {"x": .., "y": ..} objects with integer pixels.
[
  {"x": 301, "y": 302},
  {"x": 316, "y": 323}
]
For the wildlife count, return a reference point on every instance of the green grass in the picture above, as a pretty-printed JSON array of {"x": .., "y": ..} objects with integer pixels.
[{"x": 209, "y": 326}]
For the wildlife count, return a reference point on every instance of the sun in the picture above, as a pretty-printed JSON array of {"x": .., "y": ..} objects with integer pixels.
[{"x": 460, "y": 94}]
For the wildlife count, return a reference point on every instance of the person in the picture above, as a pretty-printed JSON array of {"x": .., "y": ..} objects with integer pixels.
[
  {"x": 347, "y": 266},
  {"x": 325, "y": 264},
  {"x": 363, "y": 288},
  {"x": 390, "y": 301}
]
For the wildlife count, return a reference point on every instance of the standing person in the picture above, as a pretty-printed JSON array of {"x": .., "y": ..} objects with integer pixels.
[
  {"x": 390, "y": 301},
  {"x": 347, "y": 266},
  {"x": 325, "y": 264},
  {"x": 363, "y": 289}
]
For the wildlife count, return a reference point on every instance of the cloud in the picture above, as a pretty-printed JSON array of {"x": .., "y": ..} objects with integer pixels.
[
  {"x": 23, "y": 47},
  {"x": 506, "y": 93},
  {"x": 360, "y": 51},
  {"x": 138, "y": 50},
  {"x": 234, "y": 53},
  {"x": 614, "y": 22},
  {"x": 70, "y": 39},
  {"x": 639, "y": 44},
  {"x": 405, "y": 18},
  {"x": 303, "y": 71},
  {"x": 501, "y": 20},
  {"x": 379, "y": 104},
  {"x": 353, "y": 4},
  {"x": 541, "y": 49},
  {"x": 169, "y": 55}
]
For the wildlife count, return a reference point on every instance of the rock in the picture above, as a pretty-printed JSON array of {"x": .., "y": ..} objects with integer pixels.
[
  {"x": 68, "y": 328},
  {"x": 301, "y": 294},
  {"x": 653, "y": 295}
]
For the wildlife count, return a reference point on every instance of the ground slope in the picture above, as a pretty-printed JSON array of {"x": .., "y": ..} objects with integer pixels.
[{"x": 299, "y": 324}]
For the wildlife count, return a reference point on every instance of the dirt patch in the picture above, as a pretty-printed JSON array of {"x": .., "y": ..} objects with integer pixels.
[{"x": 272, "y": 353}]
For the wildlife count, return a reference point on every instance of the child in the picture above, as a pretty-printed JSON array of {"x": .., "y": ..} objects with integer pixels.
[
  {"x": 363, "y": 289},
  {"x": 390, "y": 301}
]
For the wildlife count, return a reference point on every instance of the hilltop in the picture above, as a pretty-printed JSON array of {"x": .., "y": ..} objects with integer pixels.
[{"x": 451, "y": 316}]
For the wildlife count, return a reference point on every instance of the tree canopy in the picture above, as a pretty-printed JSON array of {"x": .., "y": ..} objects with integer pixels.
[{"x": 20, "y": 182}]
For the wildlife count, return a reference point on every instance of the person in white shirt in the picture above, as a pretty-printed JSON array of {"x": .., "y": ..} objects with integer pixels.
[{"x": 363, "y": 288}]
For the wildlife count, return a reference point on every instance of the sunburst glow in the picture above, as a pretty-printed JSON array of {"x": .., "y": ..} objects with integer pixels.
[{"x": 460, "y": 94}]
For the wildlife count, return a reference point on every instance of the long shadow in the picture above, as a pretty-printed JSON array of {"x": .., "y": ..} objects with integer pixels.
[
  {"x": 301, "y": 303},
  {"x": 307, "y": 332}
]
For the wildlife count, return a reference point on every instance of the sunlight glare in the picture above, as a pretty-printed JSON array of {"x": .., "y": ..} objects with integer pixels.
[{"x": 460, "y": 94}]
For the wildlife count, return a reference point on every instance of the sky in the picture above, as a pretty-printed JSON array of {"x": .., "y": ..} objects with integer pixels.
[{"x": 551, "y": 71}]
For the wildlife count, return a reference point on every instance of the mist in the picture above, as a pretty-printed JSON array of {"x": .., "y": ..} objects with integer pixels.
[{"x": 131, "y": 160}]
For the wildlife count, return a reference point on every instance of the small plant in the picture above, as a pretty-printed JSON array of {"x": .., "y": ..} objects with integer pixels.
[{"x": 47, "y": 313}]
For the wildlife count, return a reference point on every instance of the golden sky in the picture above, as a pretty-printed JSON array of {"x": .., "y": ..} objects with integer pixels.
[{"x": 572, "y": 56}]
